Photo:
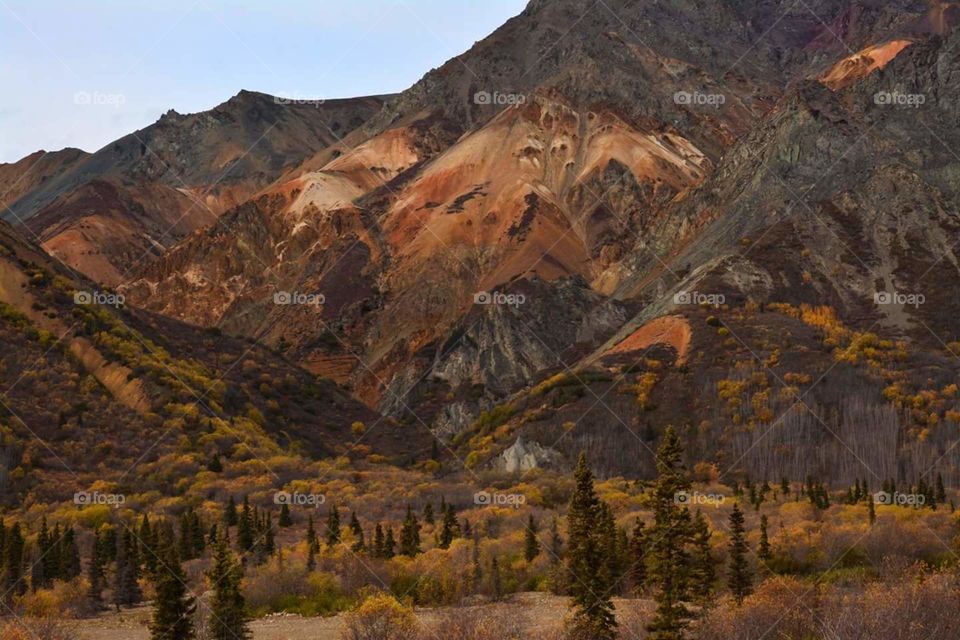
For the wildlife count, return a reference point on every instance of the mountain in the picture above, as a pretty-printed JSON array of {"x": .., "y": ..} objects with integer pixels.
[
  {"x": 26, "y": 175},
  {"x": 94, "y": 389},
  {"x": 105, "y": 213},
  {"x": 738, "y": 217}
]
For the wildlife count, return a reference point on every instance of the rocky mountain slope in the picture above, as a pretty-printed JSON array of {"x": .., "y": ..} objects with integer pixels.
[
  {"x": 601, "y": 220},
  {"x": 105, "y": 213},
  {"x": 99, "y": 394}
]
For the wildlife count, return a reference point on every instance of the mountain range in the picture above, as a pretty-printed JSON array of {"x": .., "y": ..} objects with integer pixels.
[{"x": 736, "y": 216}]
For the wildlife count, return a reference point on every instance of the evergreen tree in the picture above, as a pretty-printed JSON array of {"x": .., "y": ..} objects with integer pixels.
[
  {"x": 739, "y": 579},
  {"x": 245, "y": 527},
  {"x": 378, "y": 541},
  {"x": 36, "y": 568},
  {"x": 475, "y": 555},
  {"x": 95, "y": 573},
  {"x": 228, "y": 619},
  {"x": 764, "y": 554},
  {"x": 556, "y": 542},
  {"x": 69, "y": 560},
  {"x": 13, "y": 553},
  {"x": 312, "y": 541},
  {"x": 611, "y": 550},
  {"x": 230, "y": 518},
  {"x": 410, "y": 535},
  {"x": 359, "y": 544},
  {"x": 591, "y": 583},
  {"x": 428, "y": 514},
  {"x": 703, "y": 572},
  {"x": 389, "y": 545},
  {"x": 449, "y": 527},
  {"x": 148, "y": 541},
  {"x": 668, "y": 566},
  {"x": 284, "y": 520},
  {"x": 186, "y": 536},
  {"x": 871, "y": 510},
  {"x": 42, "y": 570},
  {"x": 199, "y": 542},
  {"x": 940, "y": 491},
  {"x": 267, "y": 545},
  {"x": 531, "y": 546},
  {"x": 173, "y": 607},
  {"x": 126, "y": 588},
  {"x": 333, "y": 527},
  {"x": 496, "y": 582},
  {"x": 638, "y": 557}
]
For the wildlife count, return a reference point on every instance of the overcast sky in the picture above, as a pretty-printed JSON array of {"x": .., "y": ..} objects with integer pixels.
[{"x": 81, "y": 73}]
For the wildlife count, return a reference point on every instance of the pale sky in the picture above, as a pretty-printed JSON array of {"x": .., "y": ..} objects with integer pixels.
[{"x": 81, "y": 73}]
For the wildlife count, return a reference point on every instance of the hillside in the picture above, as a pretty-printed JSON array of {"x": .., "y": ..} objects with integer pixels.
[{"x": 96, "y": 393}]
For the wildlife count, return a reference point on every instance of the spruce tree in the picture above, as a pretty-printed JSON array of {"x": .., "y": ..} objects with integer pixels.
[
  {"x": 389, "y": 545},
  {"x": 359, "y": 544},
  {"x": 228, "y": 619},
  {"x": 496, "y": 581},
  {"x": 267, "y": 544},
  {"x": 333, "y": 527},
  {"x": 95, "y": 573},
  {"x": 738, "y": 579},
  {"x": 556, "y": 542},
  {"x": 428, "y": 513},
  {"x": 126, "y": 588},
  {"x": 173, "y": 607},
  {"x": 531, "y": 546},
  {"x": 196, "y": 531},
  {"x": 668, "y": 541},
  {"x": 13, "y": 553},
  {"x": 448, "y": 528},
  {"x": 410, "y": 535},
  {"x": 611, "y": 550},
  {"x": 42, "y": 570},
  {"x": 378, "y": 541},
  {"x": 703, "y": 572},
  {"x": 638, "y": 557},
  {"x": 69, "y": 561},
  {"x": 475, "y": 555},
  {"x": 148, "y": 541},
  {"x": 284, "y": 520},
  {"x": 312, "y": 541},
  {"x": 245, "y": 527},
  {"x": 591, "y": 583},
  {"x": 764, "y": 553},
  {"x": 36, "y": 568},
  {"x": 230, "y": 517}
]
